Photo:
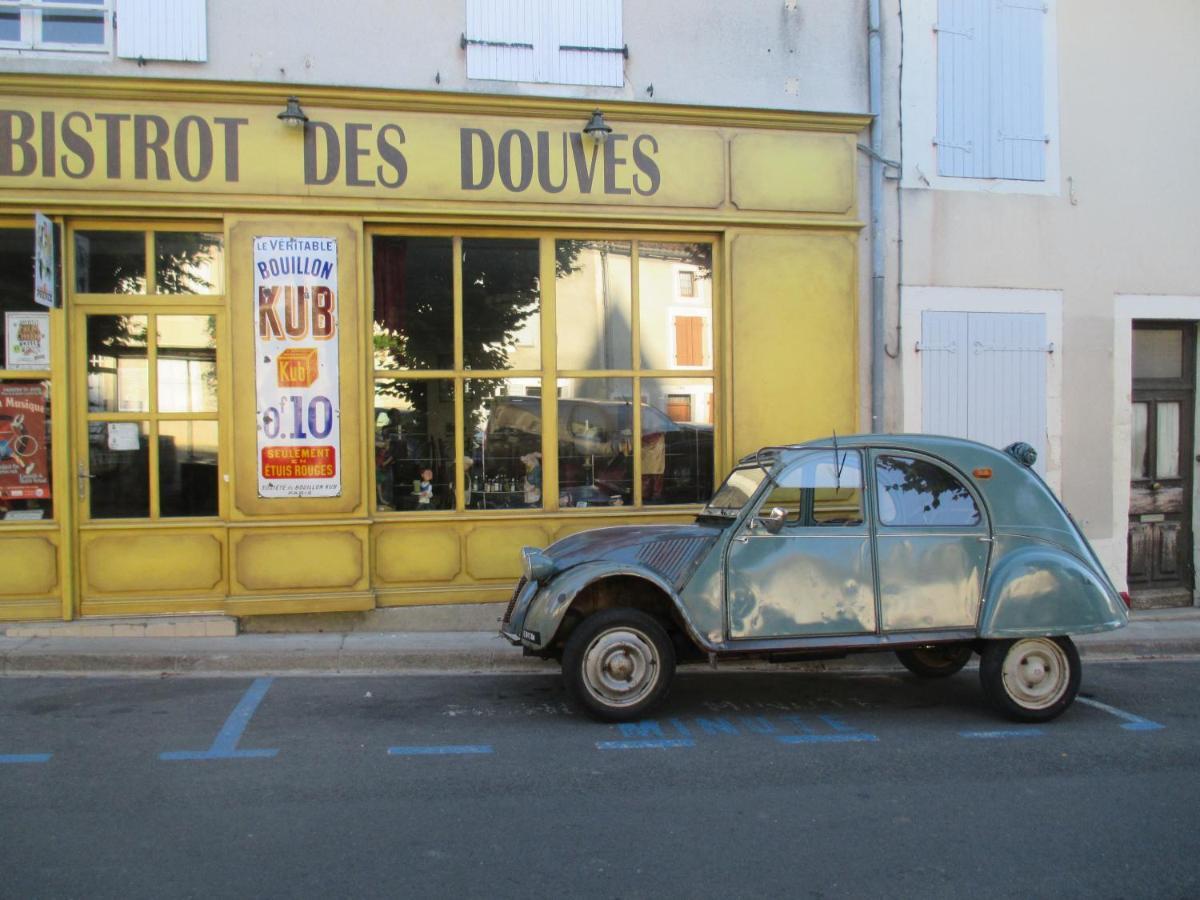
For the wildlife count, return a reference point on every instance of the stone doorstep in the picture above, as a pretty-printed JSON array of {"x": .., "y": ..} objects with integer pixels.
[{"x": 127, "y": 627}]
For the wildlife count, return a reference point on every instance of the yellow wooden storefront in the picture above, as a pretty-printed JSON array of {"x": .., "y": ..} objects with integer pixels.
[{"x": 773, "y": 193}]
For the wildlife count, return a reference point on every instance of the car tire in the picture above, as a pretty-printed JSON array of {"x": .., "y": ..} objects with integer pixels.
[
  {"x": 1030, "y": 679},
  {"x": 936, "y": 660},
  {"x": 618, "y": 663}
]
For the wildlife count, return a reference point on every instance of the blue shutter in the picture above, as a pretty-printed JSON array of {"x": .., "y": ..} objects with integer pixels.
[
  {"x": 162, "y": 29},
  {"x": 944, "y": 373},
  {"x": 991, "y": 89}
]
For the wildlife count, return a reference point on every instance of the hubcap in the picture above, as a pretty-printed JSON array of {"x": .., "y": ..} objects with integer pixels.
[
  {"x": 1036, "y": 673},
  {"x": 620, "y": 667}
]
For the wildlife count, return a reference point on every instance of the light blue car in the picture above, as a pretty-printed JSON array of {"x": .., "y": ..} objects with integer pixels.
[{"x": 931, "y": 547}]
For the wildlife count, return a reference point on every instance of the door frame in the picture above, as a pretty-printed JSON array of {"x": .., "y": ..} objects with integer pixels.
[{"x": 1126, "y": 309}]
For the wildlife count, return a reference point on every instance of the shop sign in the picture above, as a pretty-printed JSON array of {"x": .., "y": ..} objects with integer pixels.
[
  {"x": 24, "y": 470},
  {"x": 27, "y": 340},
  {"x": 296, "y": 353}
]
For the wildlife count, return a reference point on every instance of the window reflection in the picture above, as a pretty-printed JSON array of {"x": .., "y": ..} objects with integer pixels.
[
  {"x": 189, "y": 262},
  {"x": 822, "y": 490},
  {"x": 916, "y": 492},
  {"x": 501, "y": 304},
  {"x": 595, "y": 442},
  {"x": 593, "y": 297},
  {"x": 414, "y": 303},
  {"x": 117, "y": 372},
  {"x": 118, "y": 462},
  {"x": 187, "y": 468},
  {"x": 414, "y": 445},
  {"x": 675, "y": 305},
  {"x": 677, "y": 440},
  {"x": 16, "y": 270},
  {"x": 504, "y": 421},
  {"x": 187, "y": 363},
  {"x": 110, "y": 262}
]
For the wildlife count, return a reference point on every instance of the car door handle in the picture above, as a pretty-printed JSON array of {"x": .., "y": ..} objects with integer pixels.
[{"x": 987, "y": 540}]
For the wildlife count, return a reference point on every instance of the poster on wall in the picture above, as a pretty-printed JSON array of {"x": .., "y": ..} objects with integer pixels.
[
  {"x": 24, "y": 469},
  {"x": 43, "y": 261},
  {"x": 27, "y": 340},
  {"x": 296, "y": 362}
]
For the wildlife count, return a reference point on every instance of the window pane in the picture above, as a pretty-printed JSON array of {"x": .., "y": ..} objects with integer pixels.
[
  {"x": 73, "y": 28},
  {"x": 189, "y": 262},
  {"x": 187, "y": 468},
  {"x": 110, "y": 262},
  {"x": 10, "y": 26},
  {"x": 504, "y": 434},
  {"x": 414, "y": 303},
  {"x": 677, "y": 440},
  {"x": 414, "y": 445},
  {"x": 118, "y": 461},
  {"x": 1166, "y": 438},
  {"x": 1157, "y": 353},
  {"x": 25, "y": 459},
  {"x": 822, "y": 490},
  {"x": 117, "y": 370},
  {"x": 915, "y": 492},
  {"x": 187, "y": 363},
  {"x": 1139, "y": 462},
  {"x": 501, "y": 304},
  {"x": 16, "y": 270},
  {"x": 675, "y": 305},
  {"x": 595, "y": 442},
  {"x": 593, "y": 304}
]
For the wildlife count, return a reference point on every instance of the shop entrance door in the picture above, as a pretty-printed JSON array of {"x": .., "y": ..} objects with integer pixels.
[{"x": 1160, "y": 509}]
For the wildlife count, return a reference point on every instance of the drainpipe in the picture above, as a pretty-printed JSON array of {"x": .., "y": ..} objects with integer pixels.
[{"x": 875, "y": 89}]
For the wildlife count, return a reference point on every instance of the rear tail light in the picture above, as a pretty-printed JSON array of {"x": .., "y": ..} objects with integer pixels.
[{"x": 1128, "y": 601}]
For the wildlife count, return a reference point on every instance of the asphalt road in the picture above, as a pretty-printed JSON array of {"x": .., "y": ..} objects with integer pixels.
[{"x": 483, "y": 786}]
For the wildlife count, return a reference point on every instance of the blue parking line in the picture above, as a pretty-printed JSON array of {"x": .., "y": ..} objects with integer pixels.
[
  {"x": 25, "y": 758},
  {"x": 1132, "y": 722},
  {"x": 440, "y": 749},
  {"x": 1000, "y": 735},
  {"x": 225, "y": 744},
  {"x": 662, "y": 744},
  {"x": 839, "y": 733}
]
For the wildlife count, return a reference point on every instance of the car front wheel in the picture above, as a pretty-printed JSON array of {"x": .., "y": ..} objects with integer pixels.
[
  {"x": 618, "y": 663},
  {"x": 1030, "y": 679},
  {"x": 935, "y": 661}
]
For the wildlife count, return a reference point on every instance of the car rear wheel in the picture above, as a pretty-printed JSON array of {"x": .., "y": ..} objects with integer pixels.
[
  {"x": 618, "y": 663},
  {"x": 1030, "y": 679},
  {"x": 935, "y": 661}
]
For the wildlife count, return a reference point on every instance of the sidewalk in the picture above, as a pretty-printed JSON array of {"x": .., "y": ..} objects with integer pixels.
[{"x": 1151, "y": 634}]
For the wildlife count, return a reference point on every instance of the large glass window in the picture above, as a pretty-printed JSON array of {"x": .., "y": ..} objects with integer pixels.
[
  {"x": 459, "y": 356},
  {"x": 158, "y": 262}
]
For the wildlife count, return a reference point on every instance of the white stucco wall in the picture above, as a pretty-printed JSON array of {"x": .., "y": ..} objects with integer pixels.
[{"x": 1116, "y": 216}]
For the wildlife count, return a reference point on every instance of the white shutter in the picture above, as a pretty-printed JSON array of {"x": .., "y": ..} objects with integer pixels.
[
  {"x": 991, "y": 86},
  {"x": 983, "y": 377},
  {"x": 500, "y": 39},
  {"x": 546, "y": 41},
  {"x": 162, "y": 29}
]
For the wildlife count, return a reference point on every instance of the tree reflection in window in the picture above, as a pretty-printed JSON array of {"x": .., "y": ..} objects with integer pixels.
[{"x": 915, "y": 492}]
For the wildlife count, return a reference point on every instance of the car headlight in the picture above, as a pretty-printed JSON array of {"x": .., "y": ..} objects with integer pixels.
[{"x": 538, "y": 566}]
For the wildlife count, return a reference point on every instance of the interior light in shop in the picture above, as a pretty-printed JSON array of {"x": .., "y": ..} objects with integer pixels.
[
  {"x": 293, "y": 116},
  {"x": 596, "y": 128}
]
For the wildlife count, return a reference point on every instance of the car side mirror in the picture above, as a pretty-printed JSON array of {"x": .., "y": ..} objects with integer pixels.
[{"x": 774, "y": 520}]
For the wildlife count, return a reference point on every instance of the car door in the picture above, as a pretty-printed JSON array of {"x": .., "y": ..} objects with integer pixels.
[
  {"x": 810, "y": 574},
  {"x": 932, "y": 544}
]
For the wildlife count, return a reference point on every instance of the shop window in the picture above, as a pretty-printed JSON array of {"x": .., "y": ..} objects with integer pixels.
[
  {"x": 64, "y": 25},
  {"x": 159, "y": 262},
  {"x": 674, "y": 337},
  {"x": 26, "y": 488},
  {"x": 466, "y": 353}
]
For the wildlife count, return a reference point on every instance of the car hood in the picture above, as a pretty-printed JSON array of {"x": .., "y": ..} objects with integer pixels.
[{"x": 672, "y": 551}]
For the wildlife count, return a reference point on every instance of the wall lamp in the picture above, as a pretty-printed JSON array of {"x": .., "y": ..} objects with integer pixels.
[
  {"x": 596, "y": 128},
  {"x": 293, "y": 116}
]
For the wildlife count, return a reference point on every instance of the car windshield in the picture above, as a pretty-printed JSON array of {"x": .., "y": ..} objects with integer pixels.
[{"x": 738, "y": 488}]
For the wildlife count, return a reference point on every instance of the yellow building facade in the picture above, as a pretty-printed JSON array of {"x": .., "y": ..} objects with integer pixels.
[{"x": 363, "y": 361}]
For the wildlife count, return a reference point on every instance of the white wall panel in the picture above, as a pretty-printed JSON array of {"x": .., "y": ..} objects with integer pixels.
[{"x": 162, "y": 29}]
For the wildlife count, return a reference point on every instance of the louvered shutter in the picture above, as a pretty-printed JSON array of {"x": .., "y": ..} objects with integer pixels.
[
  {"x": 991, "y": 89},
  {"x": 162, "y": 29},
  {"x": 689, "y": 340},
  {"x": 500, "y": 39},
  {"x": 596, "y": 25}
]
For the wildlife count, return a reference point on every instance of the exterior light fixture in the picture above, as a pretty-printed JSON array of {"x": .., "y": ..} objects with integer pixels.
[
  {"x": 293, "y": 116},
  {"x": 597, "y": 129}
]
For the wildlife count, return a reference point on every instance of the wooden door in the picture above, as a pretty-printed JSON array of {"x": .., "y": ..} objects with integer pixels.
[{"x": 1160, "y": 509}]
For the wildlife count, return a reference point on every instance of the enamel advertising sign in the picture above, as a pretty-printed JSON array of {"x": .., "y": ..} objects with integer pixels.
[
  {"x": 24, "y": 464},
  {"x": 296, "y": 359}
]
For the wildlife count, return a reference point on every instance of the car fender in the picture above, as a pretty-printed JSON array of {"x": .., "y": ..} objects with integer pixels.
[
  {"x": 1041, "y": 590},
  {"x": 549, "y": 607}
]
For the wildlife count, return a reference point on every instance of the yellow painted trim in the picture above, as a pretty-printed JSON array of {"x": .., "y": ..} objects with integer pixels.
[
  {"x": 347, "y": 601},
  {"x": 23, "y": 610},
  {"x": 173, "y": 90}
]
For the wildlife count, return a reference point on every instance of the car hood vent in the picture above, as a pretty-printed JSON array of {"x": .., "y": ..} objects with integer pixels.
[{"x": 673, "y": 558}]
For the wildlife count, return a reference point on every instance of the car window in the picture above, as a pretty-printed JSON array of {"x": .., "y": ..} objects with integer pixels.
[
  {"x": 823, "y": 489},
  {"x": 917, "y": 492},
  {"x": 738, "y": 488}
]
